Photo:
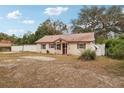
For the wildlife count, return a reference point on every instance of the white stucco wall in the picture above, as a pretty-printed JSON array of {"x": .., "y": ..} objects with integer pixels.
[
  {"x": 32, "y": 48},
  {"x": 45, "y": 50},
  {"x": 72, "y": 48},
  {"x": 99, "y": 48},
  {"x": 16, "y": 48}
]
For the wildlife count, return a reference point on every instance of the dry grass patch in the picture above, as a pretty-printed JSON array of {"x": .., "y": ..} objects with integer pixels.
[
  {"x": 65, "y": 71},
  {"x": 116, "y": 69}
]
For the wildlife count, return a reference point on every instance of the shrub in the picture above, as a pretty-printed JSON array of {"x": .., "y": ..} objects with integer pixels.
[
  {"x": 119, "y": 51},
  {"x": 115, "y": 48},
  {"x": 88, "y": 55},
  {"x": 47, "y": 51}
]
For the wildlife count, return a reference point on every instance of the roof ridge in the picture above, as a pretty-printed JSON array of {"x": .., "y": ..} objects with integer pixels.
[
  {"x": 70, "y": 34},
  {"x": 89, "y": 36}
]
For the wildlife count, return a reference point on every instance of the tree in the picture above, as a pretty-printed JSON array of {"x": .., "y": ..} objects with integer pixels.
[
  {"x": 50, "y": 27},
  {"x": 100, "y": 20},
  {"x": 13, "y": 38},
  {"x": 4, "y": 36},
  {"x": 19, "y": 41},
  {"x": 28, "y": 38}
]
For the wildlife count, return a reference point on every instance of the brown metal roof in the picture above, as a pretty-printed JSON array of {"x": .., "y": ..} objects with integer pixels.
[
  {"x": 5, "y": 43},
  {"x": 69, "y": 38}
]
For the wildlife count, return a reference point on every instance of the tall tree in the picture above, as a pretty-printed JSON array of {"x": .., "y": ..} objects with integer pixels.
[
  {"x": 50, "y": 27},
  {"x": 4, "y": 36},
  {"x": 100, "y": 20},
  {"x": 28, "y": 38},
  {"x": 13, "y": 38}
]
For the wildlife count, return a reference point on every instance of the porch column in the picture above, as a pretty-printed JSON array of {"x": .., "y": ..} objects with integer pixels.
[
  {"x": 55, "y": 47},
  {"x": 61, "y": 48}
]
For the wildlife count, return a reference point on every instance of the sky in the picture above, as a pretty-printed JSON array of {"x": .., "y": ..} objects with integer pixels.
[{"x": 21, "y": 19}]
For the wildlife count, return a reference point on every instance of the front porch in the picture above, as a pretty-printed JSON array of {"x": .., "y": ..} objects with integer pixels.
[{"x": 61, "y": 47}]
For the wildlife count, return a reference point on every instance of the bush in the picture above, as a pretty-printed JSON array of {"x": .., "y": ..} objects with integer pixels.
[
  {"x": 88, "y": 55},
  {"x": 115, "y": 48},
  {"x": 47, "y": 51},
  {"x": 119, "y": 51}
]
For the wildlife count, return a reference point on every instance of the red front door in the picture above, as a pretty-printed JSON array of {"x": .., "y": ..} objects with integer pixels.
[{"x": 64, "y": 48}]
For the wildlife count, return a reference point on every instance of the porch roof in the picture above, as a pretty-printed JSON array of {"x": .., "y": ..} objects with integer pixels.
[{"x": 69, "y": 38}]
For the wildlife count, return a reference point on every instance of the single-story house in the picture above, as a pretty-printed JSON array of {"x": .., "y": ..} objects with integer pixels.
[
  {"x": 5, "y": 45},
  {"x": 72, "y": 44}
]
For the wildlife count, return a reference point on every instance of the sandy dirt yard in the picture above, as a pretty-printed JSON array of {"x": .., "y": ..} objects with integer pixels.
[{"x": 38, "y": 70}]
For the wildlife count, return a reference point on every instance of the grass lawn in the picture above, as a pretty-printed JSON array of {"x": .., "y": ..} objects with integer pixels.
[{"x": 65, "y": 71}]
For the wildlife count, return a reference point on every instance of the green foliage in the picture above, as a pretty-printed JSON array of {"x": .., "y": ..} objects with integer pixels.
[
  {"x": 50, "y": 27},
  {"x": 88, "y": 55},
  {"x": 13, "y": 38},
  {"x": 115, "y": 48},
  {"x": 100, "y": 20},
  {"x": 28, "y": 38},
  {"x": 4, "y": 36},
  {"x": 100, "y": 40}
]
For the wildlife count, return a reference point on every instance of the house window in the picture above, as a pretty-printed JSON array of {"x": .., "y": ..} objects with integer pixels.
[
  {"x": 81, "y": 45},
  {"x": 52, "y": 45},
  {"x": 58, "y": 46},
  {"x": 43, "y": 46}
]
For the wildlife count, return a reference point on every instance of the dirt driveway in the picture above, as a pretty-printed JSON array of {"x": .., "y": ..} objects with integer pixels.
[{"x": 56, "y": 73}]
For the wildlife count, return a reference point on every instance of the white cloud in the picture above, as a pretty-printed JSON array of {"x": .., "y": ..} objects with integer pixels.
[
  {"x": 28, "y": 22},
  {"x": 55, "y": 11},
  {"x": 14, "y": 14}
]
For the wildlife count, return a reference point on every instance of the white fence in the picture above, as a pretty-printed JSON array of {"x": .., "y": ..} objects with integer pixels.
[
  {"x": 100, "y": 49},
  {"x": 32, "y": 48}
]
